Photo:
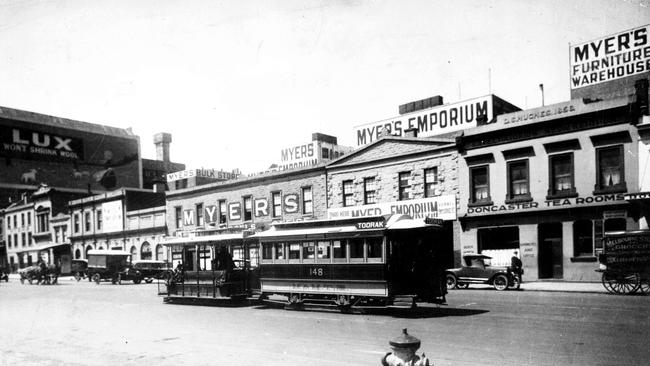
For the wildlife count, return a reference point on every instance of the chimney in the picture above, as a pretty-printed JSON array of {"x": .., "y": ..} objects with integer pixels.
[
  {"x": 162, "y": 141},
  {"x": 411, "y": 132}
]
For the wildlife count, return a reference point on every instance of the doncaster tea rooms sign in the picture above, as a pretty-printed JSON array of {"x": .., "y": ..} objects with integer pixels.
[
  {"x": 610, "y": 58},
  {"x": 429, "y": 122}
]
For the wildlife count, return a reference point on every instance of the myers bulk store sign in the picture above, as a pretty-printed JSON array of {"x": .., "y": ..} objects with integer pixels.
[
  {"x": 441, "y": 207},
  {"x": 613, "y": 57},
  {"x": 429, "y": 122}
]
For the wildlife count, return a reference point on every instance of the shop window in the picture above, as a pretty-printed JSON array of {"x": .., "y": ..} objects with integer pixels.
[
  {"x": 618, "y": 224},
  {"x": 348, "y": 194},
  {"x": 307, "y": 201},
  {"x": 369, "y": 192},
  {"x": 199, "y": 214},
  {"x": 518, "y": 181},
  {"x": 98, "y": 215},
  {"x": 248, "y": 208},
  {"x": 561, "y": 179},
  {"x": 430, "y": 181},
  {"x": 610, "y": 168},
  {"x": 222, "y": 212},
  {"x": 276, "y": 199},
  {"x": 159, "y": 252},
  {"x": 583, "y": 238},
  {"x": 145, "y": 251},
  {"x": 404, "y": 192},
  {"x": 479, "y": 185},
  {"x": 498, "y": 238},
  {"x": 178, "y": 217}
]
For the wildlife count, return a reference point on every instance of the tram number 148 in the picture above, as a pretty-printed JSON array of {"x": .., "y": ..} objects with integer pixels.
[{"x": 316, "y": 272}]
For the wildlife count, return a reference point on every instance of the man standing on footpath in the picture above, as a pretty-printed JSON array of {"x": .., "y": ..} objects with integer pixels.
[{"x": 516, "y": 266}]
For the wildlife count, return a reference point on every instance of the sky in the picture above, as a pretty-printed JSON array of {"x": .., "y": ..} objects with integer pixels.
[{"x": 235, "y": 82}]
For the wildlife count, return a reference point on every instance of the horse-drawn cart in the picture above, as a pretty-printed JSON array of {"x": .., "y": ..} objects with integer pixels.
[
  {"x": 625, "y": 262},
  {"x": 47, "y": 274}
]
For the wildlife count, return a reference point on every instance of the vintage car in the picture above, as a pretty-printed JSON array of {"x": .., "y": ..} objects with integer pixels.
[
  {"x": 152, "y": 269},
  {"x": 477, "y": 269},
  {"x": 113, "y": 265}
]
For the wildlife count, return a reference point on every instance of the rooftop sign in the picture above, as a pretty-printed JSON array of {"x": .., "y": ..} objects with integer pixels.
[
  {"x": 610, "y": 58},
  {"x": 429, "y": 122},
  {"x": 201, "y": 173}
]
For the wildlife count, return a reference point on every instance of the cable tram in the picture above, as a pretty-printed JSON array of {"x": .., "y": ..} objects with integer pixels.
[
  {"x": 211, "y": 267},
  {"x": 374, "y": 262}
]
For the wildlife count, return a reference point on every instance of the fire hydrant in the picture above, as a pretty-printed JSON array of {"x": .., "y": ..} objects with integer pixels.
[{"x": 404, "y": 348}]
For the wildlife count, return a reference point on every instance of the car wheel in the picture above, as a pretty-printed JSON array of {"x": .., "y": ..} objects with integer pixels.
[
  {"x": 77, "y": 276},
  {"x": 137, "y": 280},
  {"x": 462, "y": 285},
  {"x": 96, "y": 278},
  {"x": 451, "y": 282},
  {"x": 515, "y": 284},
  {"x": 500, "y": 282}
]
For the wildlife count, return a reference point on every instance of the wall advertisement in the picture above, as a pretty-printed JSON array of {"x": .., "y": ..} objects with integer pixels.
[
  {"x": 429, "y": 122},
  {"x": 610, "y": 58},
  {"x": 441, "y": 207},
  {"x": 113, "y": 216}
]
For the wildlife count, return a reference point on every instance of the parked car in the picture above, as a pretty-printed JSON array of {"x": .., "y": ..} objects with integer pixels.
[
  {"x": 477, "y": 269},
  {"x": 4, "y": 274},
  {"x": 152, "y": 269},
  {"x": 113, "y": 265},
  {"x": 79, "y": 268}
]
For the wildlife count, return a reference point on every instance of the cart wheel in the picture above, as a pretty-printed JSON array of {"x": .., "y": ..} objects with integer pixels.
[
  {"x": 462, "y": 285},
  {"x": 77, "y": 276},
  {"x": 500, "y": 282},
  {"x": 621, "y": 282},
  {"x": 608, "y": 280},
  {"x": 644, "y": 286},
  {"x": 96, "y": 278},
  {"x": 451, "y": 281}
]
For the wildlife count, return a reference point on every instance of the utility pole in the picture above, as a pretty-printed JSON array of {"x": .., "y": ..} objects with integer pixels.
[{"x": 541, "y": 87}]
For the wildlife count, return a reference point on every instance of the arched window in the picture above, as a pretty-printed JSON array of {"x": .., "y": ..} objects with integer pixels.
[
  {"x": 134, "y": 253},
  {"x": 159, "y": 252},
  {"x": 145, "y": 250},
  {"x": 77, "y": 254},
  {"x": 90, "y": 247}
]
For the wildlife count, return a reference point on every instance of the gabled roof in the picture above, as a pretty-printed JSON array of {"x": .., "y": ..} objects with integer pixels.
[{"x": 391, "y": 147}]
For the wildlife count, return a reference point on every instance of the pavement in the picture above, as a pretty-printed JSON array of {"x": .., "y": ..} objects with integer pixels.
[{"x": 546, "y": 285}]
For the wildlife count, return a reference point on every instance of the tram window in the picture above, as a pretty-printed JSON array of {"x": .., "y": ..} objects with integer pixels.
[
  {"x": 338, "y": 250},
  {"x": 204, "y": 259},
  {"x": 323, "y": 250},
  {"x": 238, "y": 253},
  {"x": 279, "y": 251},
  {"x": 254, "y": 256},
  {"x": 308, "y": 250},
  {"x": 356, "y": 249},
  {"x": 267, "y": 251},
  {"x": 294, "y": 251},
  {"x": 374, "y": 248}
]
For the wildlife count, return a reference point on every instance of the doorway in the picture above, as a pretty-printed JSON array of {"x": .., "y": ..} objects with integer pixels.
[{"x": 550, "y": 250}]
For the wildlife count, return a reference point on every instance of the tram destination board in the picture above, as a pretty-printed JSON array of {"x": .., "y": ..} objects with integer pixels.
[{"x": 628, "y": 248}]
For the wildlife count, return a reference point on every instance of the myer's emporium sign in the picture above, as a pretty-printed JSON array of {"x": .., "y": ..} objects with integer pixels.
[
  {"x": 299, "y": 156},
  {"x": 546, "y": 205},
  {"x": 613, "y": 57},
  {"x": 24, "y": 143},
  {"x": 441, "y": 207},
  {"x": 429, "y": 122}
]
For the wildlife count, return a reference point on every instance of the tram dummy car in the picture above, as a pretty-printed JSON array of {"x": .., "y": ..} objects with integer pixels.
[
  {"x": 373, "y": 262},
  {"x": 113, "y": 265}
]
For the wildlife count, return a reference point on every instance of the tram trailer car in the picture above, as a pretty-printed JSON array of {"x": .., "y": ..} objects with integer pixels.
[{"x": 376, "y": 262}]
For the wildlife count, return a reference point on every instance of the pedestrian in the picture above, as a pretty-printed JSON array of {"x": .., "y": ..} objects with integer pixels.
[{"x": 516, "y": 266}]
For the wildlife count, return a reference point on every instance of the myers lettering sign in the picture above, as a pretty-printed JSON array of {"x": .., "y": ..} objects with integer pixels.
[
  {"x": 429, "y": 122},
  {"x": 442, "y": 207},
  {"x": 613, "y": 57},
  {"x": 28, "y": 144},
  {"x": 299, "y": 156},
  {"x": 202, "y": 173}
]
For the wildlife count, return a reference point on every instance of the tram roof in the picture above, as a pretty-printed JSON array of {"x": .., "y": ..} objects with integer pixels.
[{"x": 203, "y": 239}]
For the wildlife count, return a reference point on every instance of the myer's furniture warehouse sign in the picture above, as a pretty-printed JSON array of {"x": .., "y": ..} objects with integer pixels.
[
  {"x": 613, "y": 57},
  {"x": 441, "y": 207}
]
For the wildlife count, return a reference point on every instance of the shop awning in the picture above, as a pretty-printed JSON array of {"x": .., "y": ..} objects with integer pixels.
[
  {"x": 43, "y": 247},
  {"x": 203, "y": 239}
]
